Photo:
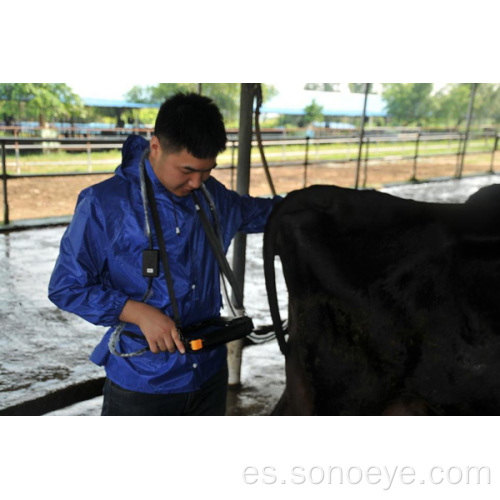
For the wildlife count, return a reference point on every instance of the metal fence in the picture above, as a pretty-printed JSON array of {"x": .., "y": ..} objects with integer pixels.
[{"x": 305, "y": 153}]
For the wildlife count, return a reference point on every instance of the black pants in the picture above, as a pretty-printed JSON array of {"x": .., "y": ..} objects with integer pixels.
[{"x": 210, "y": 399}]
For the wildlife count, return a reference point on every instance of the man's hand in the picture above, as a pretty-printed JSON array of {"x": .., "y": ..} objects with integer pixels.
[{"x": 159, "y": 329}]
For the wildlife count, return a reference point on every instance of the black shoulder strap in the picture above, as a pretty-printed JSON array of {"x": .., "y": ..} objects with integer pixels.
[
  {"x": 163, "y": 251},
  {"x": 216, "y": 245},
  {"x": 212, "y": 239}
]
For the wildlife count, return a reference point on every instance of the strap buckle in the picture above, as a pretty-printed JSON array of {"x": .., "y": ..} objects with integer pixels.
[{"x": 195, "y": 344}]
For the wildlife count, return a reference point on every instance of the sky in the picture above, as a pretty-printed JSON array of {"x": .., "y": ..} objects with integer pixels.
[{"x": 102, "y": 89}]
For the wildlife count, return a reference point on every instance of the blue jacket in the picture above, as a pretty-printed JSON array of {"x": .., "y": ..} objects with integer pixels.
[{"x": 100, "y": 267}]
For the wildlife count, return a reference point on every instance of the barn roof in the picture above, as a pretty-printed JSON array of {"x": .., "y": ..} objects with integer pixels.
[
  {"x": 333, "y": 103},
  {"x": 115, "y": 103}
]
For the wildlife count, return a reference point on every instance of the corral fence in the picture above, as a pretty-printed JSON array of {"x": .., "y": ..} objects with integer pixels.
[{"x": 64, "y": 157}]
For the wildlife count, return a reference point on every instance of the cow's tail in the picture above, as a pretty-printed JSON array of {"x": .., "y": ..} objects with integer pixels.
[{"x": 270, "y": 237}]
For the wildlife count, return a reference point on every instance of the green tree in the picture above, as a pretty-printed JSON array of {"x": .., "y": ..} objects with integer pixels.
[
  {"x": 451, "y": 103},
  {"x": 138, "y": 94},
  {"x": 487, "y": 103},
  {"x": 225, "y": 95},
  {"x": 325, "y": 87},
  {"x": 42, "y": 101},
  {"x": 163, "y": 91},
  {"x": 54, "y": 101},
  {"x": 409, "y": 103},
  {"x": 359, "y": 88},
  {"x": 313, "y": 113},
  {"x": 495, "y": 105},
  {"x": 12, "y": 98},
  {"x": 157, "y": 93},
  {"x": 268, "y": 91}
]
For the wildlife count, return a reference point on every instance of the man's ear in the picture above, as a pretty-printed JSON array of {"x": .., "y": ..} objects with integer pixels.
[{"x": 154, "y": 146}]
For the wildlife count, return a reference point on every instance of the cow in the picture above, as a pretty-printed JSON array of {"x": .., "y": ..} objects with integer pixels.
[{"x": 394, "y": 304}]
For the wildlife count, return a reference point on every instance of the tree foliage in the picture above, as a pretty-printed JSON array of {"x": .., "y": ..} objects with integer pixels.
[
  {"x": 313, "y": 113},
  {"x": 359, "y": 88},
  {"x": 417, "y": 104},
  {"x": 42, "y": 101},
  {"x": 225, "y": 95},
  {"x": 325, "y": 87},
  {"x": 409, "y": 102},
  {"x": 487, "y": 103},
  {"x": 452, "y": 102}
]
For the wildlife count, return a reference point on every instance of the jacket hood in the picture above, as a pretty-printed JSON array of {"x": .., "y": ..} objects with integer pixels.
[{"x": 132, "y": 151}]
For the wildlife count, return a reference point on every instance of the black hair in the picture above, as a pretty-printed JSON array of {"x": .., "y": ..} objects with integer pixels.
[{"x": 192, "y": 122}]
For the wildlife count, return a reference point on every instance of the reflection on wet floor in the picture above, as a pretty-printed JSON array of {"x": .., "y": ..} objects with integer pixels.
[{"x": 44, "y": 349}]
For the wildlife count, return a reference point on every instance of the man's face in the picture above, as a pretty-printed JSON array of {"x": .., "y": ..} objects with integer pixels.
[{"x": 180, "y": 173}]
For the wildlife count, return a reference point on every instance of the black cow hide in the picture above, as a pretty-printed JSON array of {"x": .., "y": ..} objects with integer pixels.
[{"x": 394, "y": 305}]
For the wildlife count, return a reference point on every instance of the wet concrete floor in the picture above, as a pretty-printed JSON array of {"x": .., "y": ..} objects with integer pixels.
[{"x": 43, "y": 349}]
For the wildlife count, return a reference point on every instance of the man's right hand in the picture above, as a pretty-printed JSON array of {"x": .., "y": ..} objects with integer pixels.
[{"x": 160, "y": 330}]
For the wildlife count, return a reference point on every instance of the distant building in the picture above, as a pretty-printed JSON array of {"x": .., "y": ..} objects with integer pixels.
[{"x": 334, "y": 104}]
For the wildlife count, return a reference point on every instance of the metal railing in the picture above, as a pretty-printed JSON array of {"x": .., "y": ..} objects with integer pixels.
[{"x": 303, "y": 153}]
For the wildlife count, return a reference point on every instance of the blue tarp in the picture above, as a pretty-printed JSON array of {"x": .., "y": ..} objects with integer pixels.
[
  {"x": 114, "y": 103},
  {"x": 288, "y": 103},
  {"x": 333, "y": 103}
]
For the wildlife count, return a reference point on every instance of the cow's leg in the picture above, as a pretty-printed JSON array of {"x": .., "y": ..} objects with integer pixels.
[
  {"x": 281, "y": 407},
  {"x": 297, "y": 399}
]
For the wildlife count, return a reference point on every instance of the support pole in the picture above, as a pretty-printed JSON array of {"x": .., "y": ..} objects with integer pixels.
[
  {"x": 306, "y": 162},
  {"x": 367, "y": 153},
  {"x": 4, "y": 185},
  {"x": 235, "y": 348},
  {"x": 495, "y": 146},
  {"x": 469, "y": 119},
  {"x": 415, "y": 158},
  {"x": 361, "y": 135}
]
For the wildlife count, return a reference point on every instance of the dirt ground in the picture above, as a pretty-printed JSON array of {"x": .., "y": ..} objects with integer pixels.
[{"x": 31, "y": 198}]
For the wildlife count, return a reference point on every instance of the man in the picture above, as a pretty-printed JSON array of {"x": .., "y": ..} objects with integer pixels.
[{"x": 99, "y": 271}]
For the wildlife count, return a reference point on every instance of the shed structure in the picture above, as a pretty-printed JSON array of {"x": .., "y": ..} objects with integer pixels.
[{"x": 333, "y": 103}]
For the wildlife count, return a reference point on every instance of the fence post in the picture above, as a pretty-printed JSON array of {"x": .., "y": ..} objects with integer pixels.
[
  {"x": 89, "y": 156},
  {"x": 495, "y": 145},
  {"x": 415, "y": 158},
  {"x": 283, "y": 148},
  {"x": 233, "y": 148},
  {"x": 469, "y": 120},
  {"x": 365, "y": 170},
  {"x": 361, "y": 135},
  {"x": 306, "y": 161},
  {"x": 18, "y": 166},
  {"x": 4, "y": 185},
  {"x": 459, "y": 152}
]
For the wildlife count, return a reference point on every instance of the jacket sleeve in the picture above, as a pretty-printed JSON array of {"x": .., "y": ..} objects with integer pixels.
[
  {"x": 243, "y": 213},
  {"x": 254, "y": 213},
  {"x": 80, "y": 282}
]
